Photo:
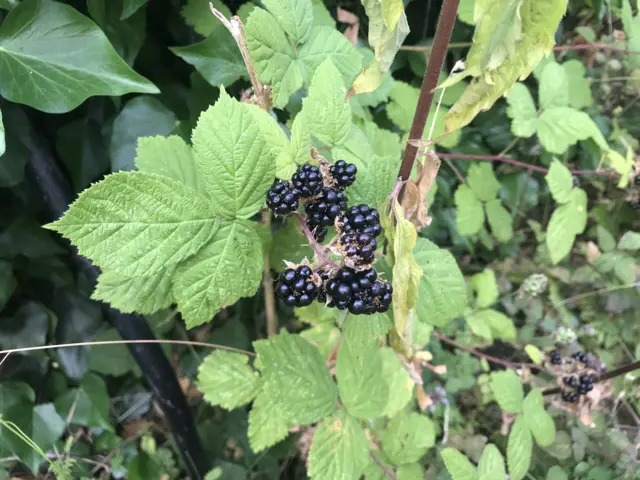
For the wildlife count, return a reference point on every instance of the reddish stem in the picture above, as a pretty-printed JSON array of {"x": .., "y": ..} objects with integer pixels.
[
  {"x": 429, "y": 83},
  {"x": 594, "y": 46},
  {"x": 320, "y": 251},
  {"x": 384, "y": 469},
  {"x": 528, "y": 166}
]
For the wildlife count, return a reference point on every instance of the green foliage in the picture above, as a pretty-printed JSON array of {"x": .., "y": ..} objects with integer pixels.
[
  {"x": 519, "y": 449},
  {"x": 507, "y": 390},
  {"x": 539, "y": 421},
  {"x": 458, "y": 466},
  {"x": 408, "y": 437},
  {"x": 491, "y": 465}
]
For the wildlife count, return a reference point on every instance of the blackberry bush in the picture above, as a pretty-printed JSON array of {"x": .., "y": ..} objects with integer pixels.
[{"x": 282, "y": 198}]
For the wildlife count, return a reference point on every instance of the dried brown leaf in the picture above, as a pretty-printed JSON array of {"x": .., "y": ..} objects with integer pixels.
[{"x": 414, "y": 201}]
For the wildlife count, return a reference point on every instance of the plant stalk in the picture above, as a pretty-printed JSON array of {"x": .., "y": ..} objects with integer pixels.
[{"x": 429, "y": 82}]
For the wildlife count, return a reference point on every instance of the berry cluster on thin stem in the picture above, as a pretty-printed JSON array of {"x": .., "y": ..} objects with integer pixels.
[
  {"x": 606, "y": 376},
  {"x": 321, "y": 252}
]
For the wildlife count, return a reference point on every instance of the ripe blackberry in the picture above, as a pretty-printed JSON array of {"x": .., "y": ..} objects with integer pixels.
[
  {"x": 322, "y": 293},
  {"x": 361, "y": 219},
  {"x": 360, "y": 292},
  {"x": 296, "y": 287},
  {"x": 580, "y": 356},
  {"x": 555, "y": 357},
  {"x": 308, "y": 180},
  {"x": 282, "y": 198},
  {"x": 570, "y": 397},
  {"x": 637, "y": 181},
  {"x": 319, "y": 231},
  {"x": 570, "y": 381},
  {"x": 343, "y": 174},
  {"x": 586, "y": 384},
  {"x": 326, "y": 208},
  {"x": 361, "y": 247}
]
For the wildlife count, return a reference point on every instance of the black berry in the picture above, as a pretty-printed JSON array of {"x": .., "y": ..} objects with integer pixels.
[
  {"x": 359, "y": 292},
  {"x": 361, "y": 247},
  {"x": 282, "y": 198},
  {"x": 570, "y": 381},
  {"x": 570, "y": 397},
  {"x": 319, "y": 231},
  {"x": 361, "y": 219},
  {"x": 555, "y": 357},
  {"x": 637, "y": 181},
  {"x": 296, "y": 287},
  {"x": 307, "y": 180},
  {"x": 326, "y": 208},
  {"x": 580, "y": 356},
  {"x": 343, "y": 174}
]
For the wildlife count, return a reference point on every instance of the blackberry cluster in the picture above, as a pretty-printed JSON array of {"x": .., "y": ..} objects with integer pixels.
[
  {"x": 360, "y": 247},
  {"x": 581, "y": 357},
  {"x": 296, "y": 287},
  {"x": 359, "y": 292},
  {"x": 308, "y": 180},
  {"x": 343, "y": 174},
  {"x": 323, "y": 212},
  {"x": 555, "y": 357},
  {"x": 361, "y": 219},
  {"x": 580, "y": 386},
  {"x": 282, "y": 198},
  {"x": 636, "y": 181}
]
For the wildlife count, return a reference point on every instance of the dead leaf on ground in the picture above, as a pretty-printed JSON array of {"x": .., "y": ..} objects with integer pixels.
[{"x": 414, "y": 201}]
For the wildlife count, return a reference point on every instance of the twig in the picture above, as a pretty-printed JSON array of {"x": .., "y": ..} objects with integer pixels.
[
  {"x": 267, "y": 285},
  {"x": 455, "y": 170},
  {"x": 613, "y": 373},
  {"x": 236, "y": 28},
  {"x": 488, "y": 358},
  {"x": 59, "y": 456},
  {"x": 595, "y": 46},
  {"x": 429, "y": 83},
  {"x": 386, "y": 471},
  {"x": 427, "y": 48},
  {"x": 517, "y": 163},
  {"x": 320, "y": 251}
]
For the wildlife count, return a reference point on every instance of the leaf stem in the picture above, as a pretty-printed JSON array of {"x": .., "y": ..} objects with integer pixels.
[
  {"x": 612, "y": 374},
  {"x": 429, "y": 83},
  {"x": 386, "y": 471}
]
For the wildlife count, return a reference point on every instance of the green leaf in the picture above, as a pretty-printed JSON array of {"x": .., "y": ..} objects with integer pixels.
[
  {"x": 519, "y": 449},
  {"x": 225, "y": 270},
  {"x": 138, "y": 223},
  {"x": 561, "y": 127},
  {"x": 406, "y": 273},
  {"x": 226, "y": 379},
  {"x": 234, "y": 156},
  {"x": 458, "y": 466},
  {"x": 507, "y": 390},
  {"x": 606, "y": 242},
  {"x": 300, "y": 145},
  {"x": 486, "y": 288},
  {"x": 465, "y": 14},
  {"x": 290, "y": 244},
  {"x": 294, "y": 16},
  {"x": 500, "y": 325},
  {"x": 404, "y": 99},
  {"x": 197, "y": 13},
  {"x": 491, "y": 465},
  {"x": 479, "y": 326},
  {"x": 442, "y": 292},
  {"x": 170, "y": 157},
  {"x": 62, "y": 58},
  {"x": 328, "y": 115},
  {"x": 400, "y": 386},
  {"x": 556, "y": 473},
  {"x": 534, "y": 353},
  {"x": 629, "y": 241},
  {"x": 268, "y": 424},
  {"x": 469, "y": 211},
  {"x": 411, "y": 471},
  {"x": 217, "y": 58},
  {"x": 297, "y": 378},
  {"x": 374, "y": 184},
  {"x": 112, "y": 360},
  {"x": 88, "y": 404},
  {"x": 566, "y": 222},
  {"x": 326, "y": 42},
  {"x": 580, "y": 95},
  {"x": 539, "y": 421},
  {"x": 554, "y": 87},
  {"x": 339, "y": 449},
  {"x": 522, "y": 111},
  {"x": 323, "y": 336},
  {"x": 407, "y": 437},
  {"x": 483, "y": 182},
  {"x": 632, "y": 29},
  {"x": 560, "y": 182},
  {"x": 3, "y": 144},
  {"x": 130, "y": 7},
  {"x": 360, "y": 331},
  {"x": 500, "y": 220},
  {"x": 363, "y": 389}
]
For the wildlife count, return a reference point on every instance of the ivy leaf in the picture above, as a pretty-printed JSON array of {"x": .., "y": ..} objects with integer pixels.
[
  {"x": 442, "y": 292},
  {"x": 522, "y": 111},
  {"x": 328, "y": 115},
  {"x": 491, "y": 465},
  {"x": 406, "y": 272},
  {"x": 294, "y": 16},
  {"x": 407, "y": 437},
  {"x": 114, "y": 360},
  {"x": 226, "y": 379},
  {"x": 580, "y": 95},
  {"x": 560, "y": 182},
  {"x": 560, "y": 127},
  {"x": 234, "y": 156},
  {"x": 567, "y": 221},
  {"x": 469, "y": 211},
  {"x": 61, "y": 59},
  {"x": 147, "y": 295},
  {"x": 507, "y": 390},
  {"x": 499, "y": 220},
  {"x": 267, "y": 423},
  {"x": 339, "y": 449},
  {"x": 130, "y": 7},
  {"x": 400, "y": 386},
  {"x": 170, "y": 157},
  {"x": 629, "y": 241},
  {"x": 217, "y": 58},
  {"x": 519, "y": 449},
  {"x": 197, "y": 13},
  {"x": 554, "y": 87},
  {"x": 137, "y": 223},
  {"x": 297, "y": 378},
  {"x": 458, "y": 466},
  {"x": 225, "y": 270},
  {"x": 363, "y": 389},
  {"x": 539, "y": 421},
  {"x": 483, "y": 182},
  {"x": 486, "y": 288}
]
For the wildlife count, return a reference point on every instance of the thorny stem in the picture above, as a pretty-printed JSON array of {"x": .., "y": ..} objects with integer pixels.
[
  {"x": 488, "y": 358},
  {"x": 528, "y": 166},
  {"x": 613, "y": 373},
  {"x": 236, "y": 28},
  {"x": 386, "y": 471},
  {"x": 320, "y": 251},
  {"x": 429, "y": 83}
]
